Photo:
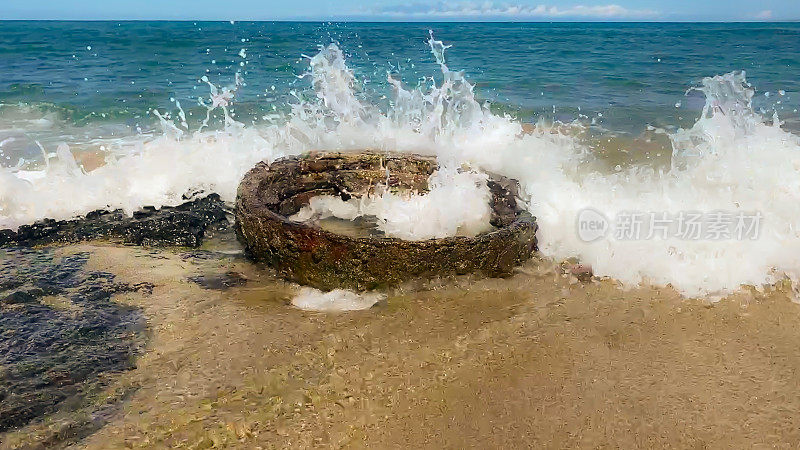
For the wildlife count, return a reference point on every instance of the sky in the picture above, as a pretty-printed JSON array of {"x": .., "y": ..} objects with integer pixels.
[{"x": 414, "y": 10}]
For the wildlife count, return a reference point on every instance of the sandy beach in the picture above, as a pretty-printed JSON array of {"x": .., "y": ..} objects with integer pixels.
[{"x": 540, "y": 359}]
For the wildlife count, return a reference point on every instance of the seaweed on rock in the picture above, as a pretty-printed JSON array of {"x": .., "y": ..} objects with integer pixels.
[{"x": 52, "y": 356}]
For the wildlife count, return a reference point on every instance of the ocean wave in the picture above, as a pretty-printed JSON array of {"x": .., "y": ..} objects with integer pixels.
[{"x": 731, "y": 160}]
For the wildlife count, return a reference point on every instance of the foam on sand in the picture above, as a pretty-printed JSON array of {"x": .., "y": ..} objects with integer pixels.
[{"x": 336, "y": 300}]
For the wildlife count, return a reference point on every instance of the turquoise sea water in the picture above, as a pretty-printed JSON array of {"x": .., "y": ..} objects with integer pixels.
[
  {"x": 625, "y": 76},
  {"x": 107, "y": 115}
]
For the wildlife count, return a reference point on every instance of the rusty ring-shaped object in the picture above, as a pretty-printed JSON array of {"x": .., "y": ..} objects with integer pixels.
[{"x": 309, "y": 255}]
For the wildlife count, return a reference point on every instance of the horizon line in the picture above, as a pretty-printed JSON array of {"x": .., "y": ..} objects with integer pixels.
[{"x": 398, "y": 21}]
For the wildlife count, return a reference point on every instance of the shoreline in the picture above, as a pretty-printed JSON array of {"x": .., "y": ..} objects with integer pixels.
[{"x": 546, "y": 357}]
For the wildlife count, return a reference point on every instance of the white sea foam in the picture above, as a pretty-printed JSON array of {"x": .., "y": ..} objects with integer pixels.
[
  {"x": 732, "y": 159},
  {"x": 457, "y": 204},
  {"x": 312, "y": 299}
]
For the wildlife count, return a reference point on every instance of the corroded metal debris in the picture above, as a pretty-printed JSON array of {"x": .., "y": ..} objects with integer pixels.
[{"x": 310, "y": 255}]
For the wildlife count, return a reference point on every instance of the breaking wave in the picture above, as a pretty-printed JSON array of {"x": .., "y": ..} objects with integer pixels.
[{"x": 731, "y": 161}]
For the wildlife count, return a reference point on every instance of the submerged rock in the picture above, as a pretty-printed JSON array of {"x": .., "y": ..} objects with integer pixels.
[
  {"x": 51, "y": 357},
  {"x": 20, "y": 297},
  {"x": 220, "y": 281},
  {"x": 312, "y": 256},
  {"x": 183, "y": 225}
]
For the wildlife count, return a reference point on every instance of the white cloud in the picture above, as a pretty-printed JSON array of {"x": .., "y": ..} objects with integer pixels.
[
  {"x": 764, "y": 15},
  {"x": 445, "y": 10}
]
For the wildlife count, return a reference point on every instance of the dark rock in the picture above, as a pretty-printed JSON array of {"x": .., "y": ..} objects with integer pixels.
[
  {"x": 178, "y": 229},
  {"x": 10, "y": 284},
  {"x": 583, "y": 272},
  {"x": 19, "y": 297},
  {"x": 309, "y": 255},
  {"x": 183, "y": 225},
  {"x": 203, "y": 255},
  {"x": 52, "y": 358},
  {"x": 220, "y": 281}
]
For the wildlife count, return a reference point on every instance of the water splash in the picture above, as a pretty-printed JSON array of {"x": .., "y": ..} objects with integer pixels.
[
  {"x": 732, "y": 159},
  {"x": 457, "y": 204}
]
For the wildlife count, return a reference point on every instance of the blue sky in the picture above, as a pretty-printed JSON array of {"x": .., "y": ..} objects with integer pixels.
[{"x": 393, "y": 10}]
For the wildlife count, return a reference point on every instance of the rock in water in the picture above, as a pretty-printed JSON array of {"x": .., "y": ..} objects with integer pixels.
[
  {"x": 309, "y": 255},
  {"x": 51, "y": 358},
  {"x": 220, "y": 281},
  {"x": 183, "y": 225}
]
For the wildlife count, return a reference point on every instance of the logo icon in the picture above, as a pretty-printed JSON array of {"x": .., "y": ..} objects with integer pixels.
[{"x": 591, "y": 225}]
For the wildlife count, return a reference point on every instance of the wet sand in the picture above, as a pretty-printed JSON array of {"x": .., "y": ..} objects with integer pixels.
[{"x": 539, "y": 359}]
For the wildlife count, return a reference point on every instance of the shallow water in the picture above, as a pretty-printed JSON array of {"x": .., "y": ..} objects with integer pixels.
[
  {"x": 352, "y": 228},
  {"x": 540, "y": 357}
]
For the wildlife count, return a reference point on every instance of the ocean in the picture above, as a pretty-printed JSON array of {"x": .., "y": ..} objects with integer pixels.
[
  {"x": 632, "y": 73},
  {"x": 649, "y": 118}
]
